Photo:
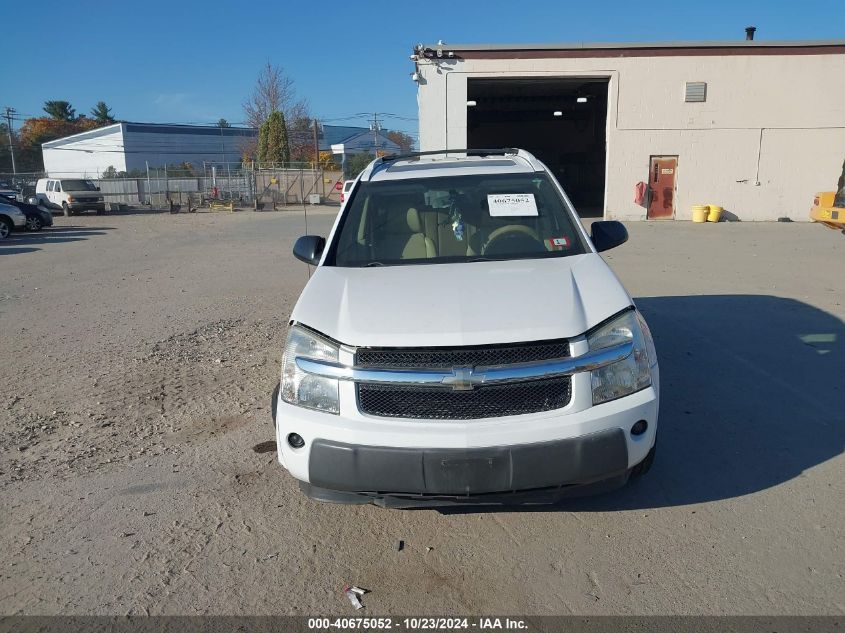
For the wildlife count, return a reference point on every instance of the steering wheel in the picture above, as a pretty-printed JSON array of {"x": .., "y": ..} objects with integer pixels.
[{"x": 511, "y": 231}]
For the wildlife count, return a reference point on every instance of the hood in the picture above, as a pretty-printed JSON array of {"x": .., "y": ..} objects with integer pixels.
[{"x": 468, "y": 303}]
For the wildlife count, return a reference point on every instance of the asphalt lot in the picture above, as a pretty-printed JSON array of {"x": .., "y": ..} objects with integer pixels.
[{"x": 139, "y": 353}]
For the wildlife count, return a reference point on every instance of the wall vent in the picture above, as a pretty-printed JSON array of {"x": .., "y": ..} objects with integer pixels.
[{"x": 695, "y": 92}]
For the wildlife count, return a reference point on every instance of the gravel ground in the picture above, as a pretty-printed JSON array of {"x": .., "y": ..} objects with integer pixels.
[{"x": 138, "y": 473}]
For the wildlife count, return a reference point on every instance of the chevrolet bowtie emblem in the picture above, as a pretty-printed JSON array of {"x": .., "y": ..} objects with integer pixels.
[{"x": 463, "y": 379}]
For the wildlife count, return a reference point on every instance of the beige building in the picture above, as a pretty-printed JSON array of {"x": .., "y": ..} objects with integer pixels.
[{"x": 756, "y": 127}]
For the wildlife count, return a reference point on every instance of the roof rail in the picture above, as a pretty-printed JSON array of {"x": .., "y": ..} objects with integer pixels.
[
  {"x": 469, "y": 152},
  {"x": 383, "y": 160}
]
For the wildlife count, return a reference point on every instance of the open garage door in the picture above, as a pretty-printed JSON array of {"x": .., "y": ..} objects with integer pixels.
[{"x": 561, "y": 121}]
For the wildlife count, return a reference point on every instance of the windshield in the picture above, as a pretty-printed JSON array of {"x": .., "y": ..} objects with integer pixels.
[
  {"x": 78, "y": 185},
  {"x": 455, "y": 218}
]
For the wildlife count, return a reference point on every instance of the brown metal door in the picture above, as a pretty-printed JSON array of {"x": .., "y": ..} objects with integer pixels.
[{"x": 661, "y": 183}]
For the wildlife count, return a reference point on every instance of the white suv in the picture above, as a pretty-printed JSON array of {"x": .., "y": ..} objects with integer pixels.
[{"x": 461, "y": 341}]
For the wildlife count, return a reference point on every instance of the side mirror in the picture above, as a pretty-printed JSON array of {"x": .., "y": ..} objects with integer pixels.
[
  {"x": 608, "y": 234},
  {"x": 309, "y": 249}
]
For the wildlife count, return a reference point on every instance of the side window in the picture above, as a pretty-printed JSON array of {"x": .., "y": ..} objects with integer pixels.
[
  {"x": 49, "y": 185},
  {"x": 58, "y": 185}
]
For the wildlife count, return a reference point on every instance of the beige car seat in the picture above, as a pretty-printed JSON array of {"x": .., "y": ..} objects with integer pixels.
[{"x": 419, "y": 245}]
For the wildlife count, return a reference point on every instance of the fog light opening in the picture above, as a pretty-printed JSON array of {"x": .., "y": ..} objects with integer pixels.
[
  {"x": 295, "y": 440},
  {"x": 639, "y": 428}
]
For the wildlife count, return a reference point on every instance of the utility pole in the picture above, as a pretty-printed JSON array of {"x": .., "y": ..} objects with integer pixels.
[
  {"x": 316, "y": 153},
  {"x": 8, "y": 115},
  {"x": 375, "y": 126}
]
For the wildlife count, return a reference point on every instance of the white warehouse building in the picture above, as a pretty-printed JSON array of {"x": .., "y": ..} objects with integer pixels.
[
  {"x": 645, "y": 131},
  {"x": 132, "y": 146}
]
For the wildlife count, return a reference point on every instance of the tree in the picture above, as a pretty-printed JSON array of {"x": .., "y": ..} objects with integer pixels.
[
  {"x": 43, "y": 129},
  {"x": 273, "y": 140},
  {"x": 301, "y": 138},
  {"x": 223, "y": 123},
  {"x": 102, "y": 114},
  {"x": 40, "y": 130},
  {"x": 404, "y": 141},
  {"x": 356, "y": 164},
  {"x": 60, "y": 110},
  {"x": 180, "y": 170},
  {"x": 327, "y": 161},
  {"x": 274, "y": 91}
]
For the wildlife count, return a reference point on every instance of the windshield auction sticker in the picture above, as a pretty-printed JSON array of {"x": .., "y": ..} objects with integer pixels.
[{"x": 512, "y": 204}]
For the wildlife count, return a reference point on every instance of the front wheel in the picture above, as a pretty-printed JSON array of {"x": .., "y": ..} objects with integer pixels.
[
  {"x": 644, "y": 466},
  {"x": 5, "y": 228},
  {"x": 33, "y": 224},
  {"x": 66, "y": 210},
  {"x": 274, "y": 405}
]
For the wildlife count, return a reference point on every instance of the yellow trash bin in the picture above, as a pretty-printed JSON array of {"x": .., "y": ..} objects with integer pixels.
[
  {"x": 700, "y": 212},
  {"x": 715, "y": 213}
]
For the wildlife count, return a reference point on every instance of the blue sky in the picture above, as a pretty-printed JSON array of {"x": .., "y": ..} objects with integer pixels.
[{"x": 195, "y": 62}]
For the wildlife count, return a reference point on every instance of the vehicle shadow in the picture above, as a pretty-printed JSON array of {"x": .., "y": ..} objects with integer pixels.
[
  {"x": 14, "y": 250},
  {"x": 51, "y": 235},
  {"x": 751, "y": 397}
]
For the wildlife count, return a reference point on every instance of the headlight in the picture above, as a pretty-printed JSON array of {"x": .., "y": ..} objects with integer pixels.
[
  {"x": 303, "y": 389},
  {"x": 628, "y": 375}
]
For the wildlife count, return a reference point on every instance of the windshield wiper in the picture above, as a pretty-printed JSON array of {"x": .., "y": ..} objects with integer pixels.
[
  {"x": 485, "y": 259},
  {"x": 373, "y": 264}
]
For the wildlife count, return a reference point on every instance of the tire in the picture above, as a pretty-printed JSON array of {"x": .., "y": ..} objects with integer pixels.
[
  {"x": 34, "y": 224},
  {"x": 66, "y": 210},
  {"x": 644, "y": 466},
  {"x": 275, "y": 403},
  {"x": 5, "y": 228}
]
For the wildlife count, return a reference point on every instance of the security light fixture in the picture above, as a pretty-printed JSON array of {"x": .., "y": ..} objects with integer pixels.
[
  {"x": 470, "y": 104},
  {"x": 581, "y": 99},
  {"x": 558, "y": 113}
]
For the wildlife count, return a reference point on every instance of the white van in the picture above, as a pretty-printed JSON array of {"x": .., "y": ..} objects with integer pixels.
[{"x": 71, "y": 195}]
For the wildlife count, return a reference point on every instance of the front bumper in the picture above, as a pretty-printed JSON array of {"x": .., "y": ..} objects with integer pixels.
[
  {"x": 377, "y": 472},
  {"x": 401, "y": 463},
  {"x": 87, "y": 206}
]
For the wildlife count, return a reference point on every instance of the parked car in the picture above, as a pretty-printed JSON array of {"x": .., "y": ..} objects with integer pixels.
[
  {"x": 9, "y": 191},
  {"x": 462, "y": 341},
  {"x": 71, "y": 195},
  {"x": 36, "y": 217},
  {"x": 347, "y": 187},
  {"x": 11, "y": 219}
]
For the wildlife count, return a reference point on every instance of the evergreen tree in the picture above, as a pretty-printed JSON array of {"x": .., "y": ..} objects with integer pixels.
[
  {"x": 273, "y": 144},
  {"x": 60, "y": 110},
  {"x": 102, "y": 113},
  {"x": 263, "y": 138}
]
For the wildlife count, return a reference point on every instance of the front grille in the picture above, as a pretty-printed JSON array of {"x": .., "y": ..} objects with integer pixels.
[
  {"x": 437, "y": 403},
  {"x": 449, "y": 357},
  {"x": 441, "y": 403}
]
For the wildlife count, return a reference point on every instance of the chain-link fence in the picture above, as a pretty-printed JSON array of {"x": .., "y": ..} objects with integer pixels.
[{"x": 264, "y": 186}]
